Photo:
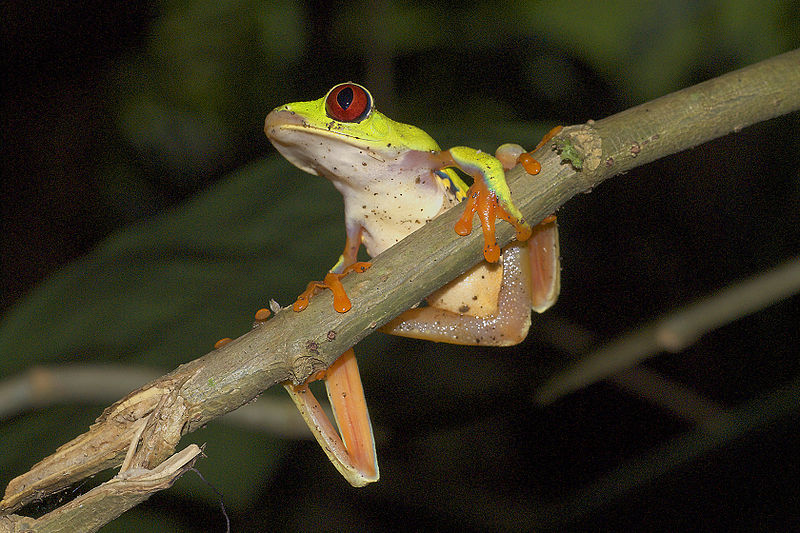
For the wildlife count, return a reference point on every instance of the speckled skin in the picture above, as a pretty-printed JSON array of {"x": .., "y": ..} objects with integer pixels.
[{"x": 391, "y": 178}]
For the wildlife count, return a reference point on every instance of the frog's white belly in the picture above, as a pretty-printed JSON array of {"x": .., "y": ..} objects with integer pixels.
[
  {"x": 390, "y": 209},
  {"x": 386, "y": 226}
]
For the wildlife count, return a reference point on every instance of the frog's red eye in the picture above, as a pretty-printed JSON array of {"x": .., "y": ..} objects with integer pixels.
[{"x": 348, "y": 102}]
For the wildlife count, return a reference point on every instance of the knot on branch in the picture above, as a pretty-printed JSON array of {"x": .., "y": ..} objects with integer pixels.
[
  {"x": 582, "y": 147},
  {"x": 304, "y": 366}
]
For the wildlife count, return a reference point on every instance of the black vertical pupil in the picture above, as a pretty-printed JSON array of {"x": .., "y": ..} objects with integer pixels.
[{"x": 345, "y": 97}]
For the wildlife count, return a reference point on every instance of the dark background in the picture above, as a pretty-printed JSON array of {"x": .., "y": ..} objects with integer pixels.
[{"x": 145, "y": 215}]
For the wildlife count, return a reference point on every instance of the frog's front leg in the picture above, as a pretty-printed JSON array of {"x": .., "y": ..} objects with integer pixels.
[
  {"x": 352, "y": 453},
  {"x": 491, "y": 304},
  {"x": 489, "y": 196},
  {"x": 347, "y": 263}
]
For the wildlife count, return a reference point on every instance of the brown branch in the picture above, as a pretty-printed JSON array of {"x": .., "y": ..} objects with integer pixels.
[{"x": 292, "y": 346}]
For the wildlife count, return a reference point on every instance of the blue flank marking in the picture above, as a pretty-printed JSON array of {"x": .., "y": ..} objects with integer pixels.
[{"x": 454, "y": 189}]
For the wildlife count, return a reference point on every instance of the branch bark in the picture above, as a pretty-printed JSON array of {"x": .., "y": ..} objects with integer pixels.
[
  {"x": 292, "y": 346},
  {"x": 91, "y": 511}
]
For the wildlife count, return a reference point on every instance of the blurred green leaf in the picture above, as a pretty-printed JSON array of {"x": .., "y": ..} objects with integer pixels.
[
  {"x": 165, "y": 289},
  {"x": 161, "y": 292},
  {"x": 653, "y": 48}
]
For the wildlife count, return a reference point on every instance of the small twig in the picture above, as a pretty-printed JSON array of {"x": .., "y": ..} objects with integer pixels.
[
  {"x": 675, "y": 398},
  {"x": 561, "y": 512},
  {"x": 765, "y": 410},
  {"x": 677, "y": 330}
]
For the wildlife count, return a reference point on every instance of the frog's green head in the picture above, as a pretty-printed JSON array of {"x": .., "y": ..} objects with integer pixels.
[{"x": 340, "y": 131}]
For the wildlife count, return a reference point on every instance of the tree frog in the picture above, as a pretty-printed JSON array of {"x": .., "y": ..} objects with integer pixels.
[{"x": 395, "y": 178}]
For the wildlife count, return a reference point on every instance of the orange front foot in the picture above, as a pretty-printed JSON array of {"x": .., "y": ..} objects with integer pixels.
[
  {"x": 528, "y": 162},
  {"x": 482, "y": 201},
  {"x": 262, "y": 315},
  {"x": 222, "y": 342},
  {"x": 333, "y": 282}
]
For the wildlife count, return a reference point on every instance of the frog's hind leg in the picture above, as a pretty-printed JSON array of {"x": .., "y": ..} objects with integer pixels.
[
  {"x": 544, "y": 264},
  {"x": 502, "y": 322},
  {"x": 353, "y": 454}
]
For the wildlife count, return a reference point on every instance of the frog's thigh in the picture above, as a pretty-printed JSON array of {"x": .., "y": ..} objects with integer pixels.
[
  {"x": 488, "y": 305},
  {"x": 476, "y": 292}
]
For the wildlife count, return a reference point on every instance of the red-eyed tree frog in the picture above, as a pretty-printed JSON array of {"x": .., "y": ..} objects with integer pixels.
[{"x": 395, "y": 178}]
